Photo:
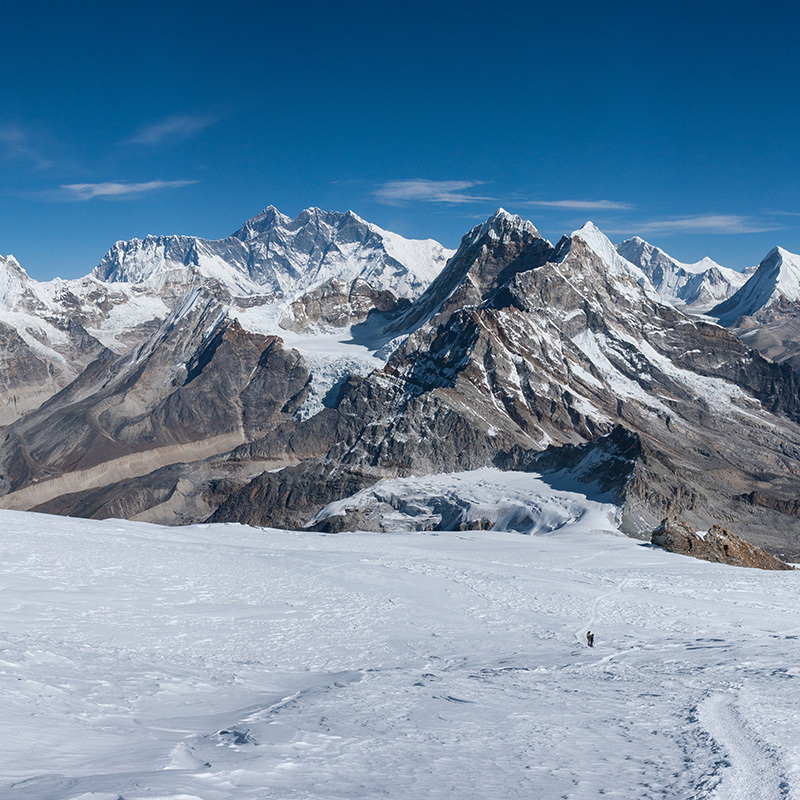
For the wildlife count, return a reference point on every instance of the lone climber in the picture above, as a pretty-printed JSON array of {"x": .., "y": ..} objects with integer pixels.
[{"x": 590, "y": 638}]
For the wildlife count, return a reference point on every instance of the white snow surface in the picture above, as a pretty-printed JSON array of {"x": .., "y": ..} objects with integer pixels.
[{"x": 222, "y": 661}]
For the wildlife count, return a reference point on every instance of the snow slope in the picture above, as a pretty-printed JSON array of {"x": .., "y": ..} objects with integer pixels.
[
  {"x": 772, "y": 287},
  {"x": 222, "y": 661}
]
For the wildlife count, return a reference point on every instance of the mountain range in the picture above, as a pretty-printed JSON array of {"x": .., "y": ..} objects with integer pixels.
[{"x": 281, "y": 375}]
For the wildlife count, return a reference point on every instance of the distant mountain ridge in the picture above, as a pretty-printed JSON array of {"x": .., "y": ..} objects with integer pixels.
[
  {"x": 320, "y": 271},
  {"x": 297, "y": 362},
  {"x": 274, "y": 255},
  {"x": 698, "y": 286}
]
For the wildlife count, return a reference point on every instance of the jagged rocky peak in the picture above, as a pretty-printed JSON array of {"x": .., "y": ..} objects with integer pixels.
[
  {"x": 265, "y": 220},
  {"x": 487, "y": 259},
  {"x": 142, "y": 260},
  {"x": 492, "y": 252},
  {"x": 499, "y": 226}
]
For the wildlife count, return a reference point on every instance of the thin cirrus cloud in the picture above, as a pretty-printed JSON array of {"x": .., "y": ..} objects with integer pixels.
[
  {"x": 89, "y": 191},
  {"x": 394, "y": 193},
  {"x": 704, "y": 223},
  {"x": 181, "y": 126},
  {"x": 17, "y": 142},
  {"x": 580, "y": 205}
]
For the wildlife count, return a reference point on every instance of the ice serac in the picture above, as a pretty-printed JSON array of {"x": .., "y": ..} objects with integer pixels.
[
  {"x": 697, "y": 286},
  {"x": 765, "y": 312},
  {"x": 522, "y": 347}
]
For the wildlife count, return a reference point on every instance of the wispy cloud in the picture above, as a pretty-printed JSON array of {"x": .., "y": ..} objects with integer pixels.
[
  {"x": 88, "y": 191},
  {"x": 17, "y": 142},
  {"x": 181, "y": 126},
  {"x": 579, "y": 205},
  {"x": 778, "y": 213},
  {"x": 704, "y": 223},
  {"x": 394, "y": 193}
]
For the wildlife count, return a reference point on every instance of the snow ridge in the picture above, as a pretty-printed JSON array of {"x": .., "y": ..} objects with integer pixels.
[
  {"x": 272, "y": 254},
  {"x": 774, "y": 283},
  {"x": 700, "y": 285},
  {"x": 598, "y": 242}
]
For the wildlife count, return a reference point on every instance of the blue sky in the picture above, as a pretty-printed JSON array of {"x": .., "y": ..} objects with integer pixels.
[{"x": 676, "y": 121}]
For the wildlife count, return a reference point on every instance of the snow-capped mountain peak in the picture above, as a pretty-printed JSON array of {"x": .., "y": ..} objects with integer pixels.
[
  {"x": 772, "y": 286},
  {"x": 270, "y": 216},
  {"x": 274, "y": 255},
  {"x": 500, "y": 225},
  {"x": 601, "y": 245},
  {"x": 785, "y": 267},
  {"x": 699, "y": 285},
  {"x": 13, "y": 281}
]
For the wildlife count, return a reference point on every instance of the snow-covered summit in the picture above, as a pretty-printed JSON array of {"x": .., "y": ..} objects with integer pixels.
[
  {"x": 601, "y": 245},
  {"x": 499, "y": 225},
  {"x": 772, "y": 287},
  {"x": 699, "y": 285},
  {"x": 272, "y": 254},
  {"x": 13, "y": 281}
]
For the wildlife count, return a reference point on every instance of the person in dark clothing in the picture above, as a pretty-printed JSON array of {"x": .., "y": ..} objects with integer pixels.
[{"x": 590, "y": 638}]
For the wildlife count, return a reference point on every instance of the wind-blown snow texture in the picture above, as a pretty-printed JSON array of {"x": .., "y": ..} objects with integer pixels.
[{"x": 219, "y": 662}]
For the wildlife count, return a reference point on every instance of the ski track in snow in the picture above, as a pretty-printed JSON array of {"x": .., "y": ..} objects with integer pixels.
[
  {"x": 218, "y": 661},
  {"x": 752, "y": 770}
]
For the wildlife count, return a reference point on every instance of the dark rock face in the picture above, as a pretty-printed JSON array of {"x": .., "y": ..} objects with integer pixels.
[
  {"x": 564, "y": 348},
  {"x": 718, "y": 545},
  {"x": 200, "y": 379},
  {"x": 24, "y": 376}
]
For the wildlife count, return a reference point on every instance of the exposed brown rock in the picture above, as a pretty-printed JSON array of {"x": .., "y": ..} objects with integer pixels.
[{"x": 718, "y": 545}]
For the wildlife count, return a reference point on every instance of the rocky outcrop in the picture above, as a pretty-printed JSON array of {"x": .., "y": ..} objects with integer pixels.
[
  {"x": 201, "y": 385},
  {"x": 717, "y": 544}
]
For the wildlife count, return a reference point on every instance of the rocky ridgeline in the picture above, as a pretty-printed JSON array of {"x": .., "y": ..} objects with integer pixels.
[
  {"x": 300, "y": 362},
  {"x": 718, "y": 545}
]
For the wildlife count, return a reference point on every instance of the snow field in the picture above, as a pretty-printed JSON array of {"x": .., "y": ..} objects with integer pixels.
[{"x": 228, "y": 662}]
